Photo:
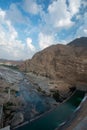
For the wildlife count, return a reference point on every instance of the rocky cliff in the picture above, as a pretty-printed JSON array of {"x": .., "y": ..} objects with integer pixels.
[{"x": 61, "y": 62}]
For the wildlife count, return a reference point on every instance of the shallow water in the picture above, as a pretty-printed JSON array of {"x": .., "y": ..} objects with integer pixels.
[{"x": 53, "y": 119}]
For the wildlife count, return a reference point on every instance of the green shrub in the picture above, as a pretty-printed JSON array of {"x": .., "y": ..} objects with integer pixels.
[
  {"x": 13, "y": 91},
  {"x": 39, "y": 89},
  {"x": 7, "y": 105},
  {"x": 56, "y": 95}
]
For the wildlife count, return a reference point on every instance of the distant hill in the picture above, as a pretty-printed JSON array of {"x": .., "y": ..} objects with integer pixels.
[{"x": 10, "y": 62}]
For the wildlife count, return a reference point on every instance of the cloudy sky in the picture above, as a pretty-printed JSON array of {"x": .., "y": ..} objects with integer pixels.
[{"x": 27, "y": 26}]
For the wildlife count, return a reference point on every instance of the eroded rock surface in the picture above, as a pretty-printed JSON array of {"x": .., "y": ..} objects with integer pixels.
[{"x": 65, "y": 63}]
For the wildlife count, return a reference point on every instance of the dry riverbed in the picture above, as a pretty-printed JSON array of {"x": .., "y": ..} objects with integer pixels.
[
  {"x": 48, "y": 85},
  {"x": 21, "y": 100},
  {"x": 27, "y": 96}
]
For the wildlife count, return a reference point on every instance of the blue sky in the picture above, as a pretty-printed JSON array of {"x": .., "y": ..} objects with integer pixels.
[{"x": 28, "y": 26}]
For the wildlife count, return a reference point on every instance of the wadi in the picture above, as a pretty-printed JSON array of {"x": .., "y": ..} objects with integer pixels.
[{"x": 31, "y": 88}]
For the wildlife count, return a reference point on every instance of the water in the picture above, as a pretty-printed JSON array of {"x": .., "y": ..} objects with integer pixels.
[{"x": 54, "y": 118}]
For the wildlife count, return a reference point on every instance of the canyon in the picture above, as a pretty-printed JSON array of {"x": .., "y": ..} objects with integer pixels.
[{"x": 32, "y": 87}]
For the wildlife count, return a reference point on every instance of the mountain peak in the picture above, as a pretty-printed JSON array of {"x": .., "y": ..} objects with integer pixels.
[{"x": 79, "y": 42}]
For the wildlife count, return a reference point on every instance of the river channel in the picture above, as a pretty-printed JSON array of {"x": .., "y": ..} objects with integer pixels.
[{"x": 53, "y": 119}]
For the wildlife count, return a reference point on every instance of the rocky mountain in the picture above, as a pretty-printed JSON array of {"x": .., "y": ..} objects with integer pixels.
[
  {"x": 52, "y": 73},
  {"x": 79, "y": 42},
  {"x": 65, "y": 63}
]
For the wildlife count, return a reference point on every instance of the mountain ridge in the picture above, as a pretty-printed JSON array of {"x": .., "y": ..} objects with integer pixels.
[
  {"x": 79, "y": 42},
  {"x": 66, "y": 63}
]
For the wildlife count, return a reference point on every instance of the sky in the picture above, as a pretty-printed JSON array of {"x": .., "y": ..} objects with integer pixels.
[{"x": 28, "y": 26}]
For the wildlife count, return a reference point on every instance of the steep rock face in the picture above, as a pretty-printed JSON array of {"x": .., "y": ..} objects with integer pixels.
[{"x": 61, "y": 62}]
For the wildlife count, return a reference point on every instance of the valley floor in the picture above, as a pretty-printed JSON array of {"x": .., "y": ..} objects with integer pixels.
[
  {"x": 21, "y": 100},
  {"x": 26, "y": 96}
]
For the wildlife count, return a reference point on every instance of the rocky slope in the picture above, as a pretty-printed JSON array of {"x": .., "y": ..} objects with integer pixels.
[{"x": 62, "y": 63}]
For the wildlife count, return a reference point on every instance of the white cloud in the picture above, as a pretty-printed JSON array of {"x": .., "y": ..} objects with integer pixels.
[
  {"x": 12, "y": 31},
  {"x": 15, "y": 15},
  {"x": 54, "y": 20},
  {"x": 2, "y": 14},
  {"x": 82, "y": 30},
  {"x": 58, "y": 14},
  {"x": 10, "y": 46},
  {"x": 85, "y": 31},
  {"x": 57, "y": 18},
  {"x": 31, "y": 6},
  {"x": 29, "y": 44},
  {"x": 84, "y": 3},
  {"x": 74, "y": 6},
  {"x": 45, "y": 40}
]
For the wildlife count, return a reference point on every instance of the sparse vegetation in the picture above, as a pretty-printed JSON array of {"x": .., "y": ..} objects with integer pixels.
[
  {"x": 7, "y": 105},
  {"x": 72, "y": 89},
  {"x": 40, "y": 90},
  {"x": 56, "y": 95},
  {"x": 6, "y": 90},
  {"x": 14, "y": 91}
]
